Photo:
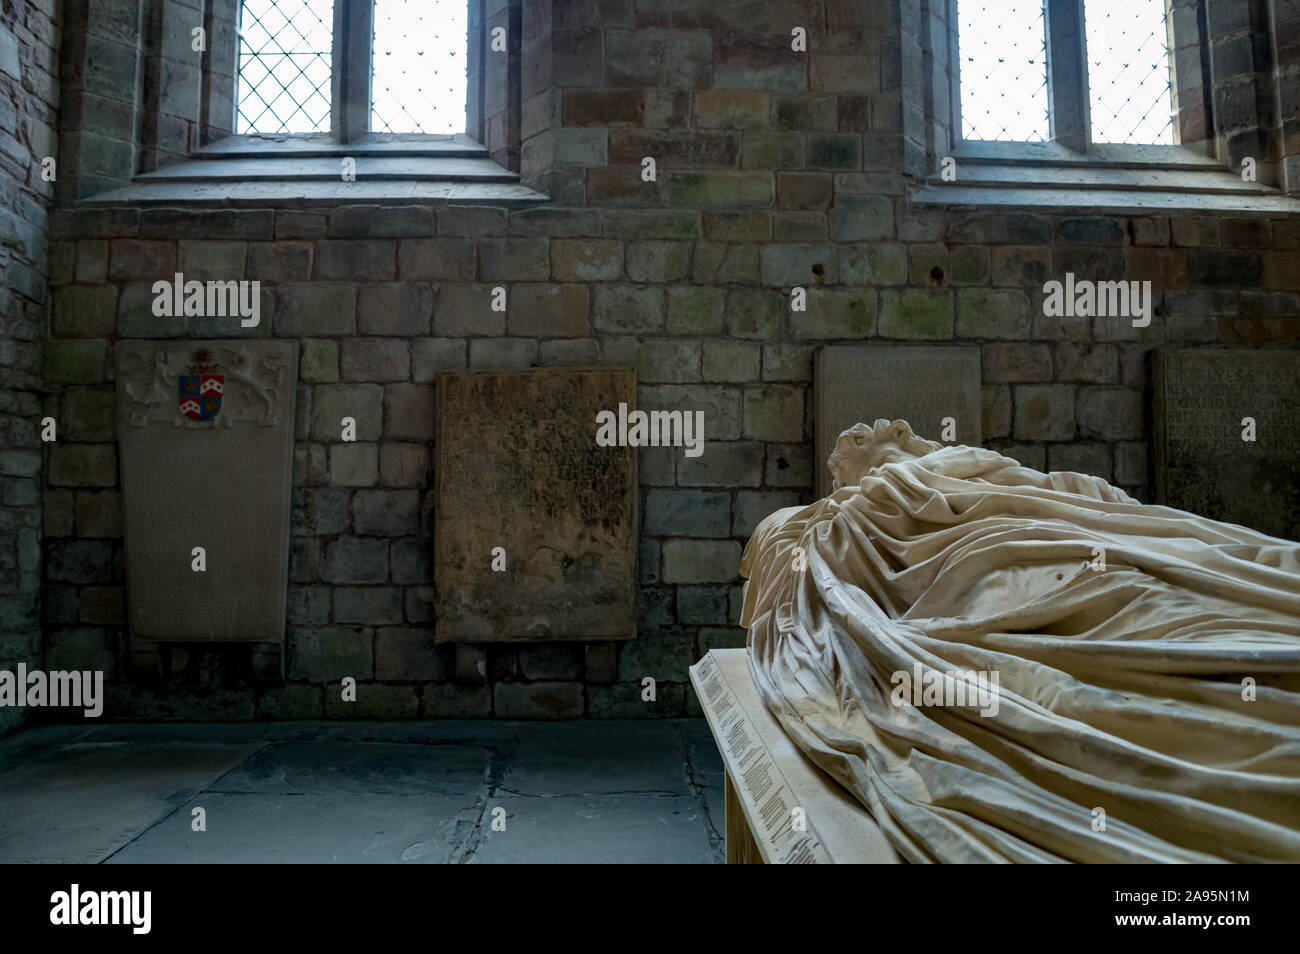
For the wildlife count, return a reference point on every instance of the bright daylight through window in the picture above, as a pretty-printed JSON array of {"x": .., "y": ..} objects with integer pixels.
[{"x": 286, "y": 55}]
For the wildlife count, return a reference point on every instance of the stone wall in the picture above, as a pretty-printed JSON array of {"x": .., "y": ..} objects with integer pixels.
[
  {"x": 774, "y": 169},
  {"x": 28, "y": 95}
]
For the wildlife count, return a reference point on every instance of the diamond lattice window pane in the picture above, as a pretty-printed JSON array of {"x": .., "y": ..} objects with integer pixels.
[
  {"x": 419, "y": 66},
  {"x": 284, "y": 66},
  {"x": 1128, "y": 71},
  {"x": 1002, "y": 51}
]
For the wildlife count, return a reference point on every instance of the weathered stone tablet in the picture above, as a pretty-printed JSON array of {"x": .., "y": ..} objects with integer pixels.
[
  {"x": 535, "y": 527},
  {"x": 1203, "y": 461},
  {"x": 205, "y": 430},
  {"x": 920, "y": 385}
]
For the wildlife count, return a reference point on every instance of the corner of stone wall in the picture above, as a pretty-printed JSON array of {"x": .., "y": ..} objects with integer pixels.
[{"x": 29, "y": 39}]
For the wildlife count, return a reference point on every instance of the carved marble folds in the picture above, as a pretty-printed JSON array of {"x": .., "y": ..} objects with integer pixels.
[{"x": 1009, "y": 665}]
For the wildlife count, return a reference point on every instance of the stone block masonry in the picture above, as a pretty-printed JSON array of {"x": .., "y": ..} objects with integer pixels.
[
  {"x": 29, "y": 42},
  {"x": 776, "y": 170},
  {"x": 1059, "y": 394}
]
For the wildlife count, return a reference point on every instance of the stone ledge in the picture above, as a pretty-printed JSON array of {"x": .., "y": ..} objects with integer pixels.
[
  {"x": 1099, "y": 201},
  {"x": 299, "y": 193},
  {"x": 329, "y": 169}
]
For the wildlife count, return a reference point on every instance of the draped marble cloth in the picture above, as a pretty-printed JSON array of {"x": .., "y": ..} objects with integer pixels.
[{"x": 1120, "y": 688}]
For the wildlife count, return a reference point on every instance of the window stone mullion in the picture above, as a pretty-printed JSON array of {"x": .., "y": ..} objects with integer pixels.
[
  {"x": 351, "y": 69},
  {"x": 1067, "y": 74}
]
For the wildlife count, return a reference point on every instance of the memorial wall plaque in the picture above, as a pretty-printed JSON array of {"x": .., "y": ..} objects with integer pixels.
[
  {"x": 535, "y": 526},
  {"x": 918, "y": 384},
  {"x": 205, "y": 432},
  {"x": 1203, "y": 463}
]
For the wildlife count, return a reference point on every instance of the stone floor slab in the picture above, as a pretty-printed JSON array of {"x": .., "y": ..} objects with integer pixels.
[
  {"x": 329, "y": 767},
  {"x": 309, "y": 829},
  {"x": 586, "y": 758},
  {"x": 305, "y": 731},
  {"x": 608, "y": 829},
  {"x": 20, "y": 748},
  {"x": 362, "y": 792},
  {"x": 448, "y": 730},
  {"x": 82, "y": 801},
  {"x": 700, "y": 747}
]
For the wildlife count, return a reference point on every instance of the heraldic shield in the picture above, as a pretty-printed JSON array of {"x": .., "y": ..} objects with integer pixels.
[{"x": 199, "y": 394}]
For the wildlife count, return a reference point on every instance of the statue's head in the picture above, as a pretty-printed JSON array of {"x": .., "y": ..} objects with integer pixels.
[{"x": 862, "y": 447}]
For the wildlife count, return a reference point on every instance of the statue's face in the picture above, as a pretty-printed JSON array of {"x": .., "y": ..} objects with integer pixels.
[
  {"x": 862, "y": 448},
  {"x": 887, "y": 452}
]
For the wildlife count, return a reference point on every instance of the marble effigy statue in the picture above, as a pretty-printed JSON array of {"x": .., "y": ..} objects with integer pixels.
[{"x": 1009, "y": 665}]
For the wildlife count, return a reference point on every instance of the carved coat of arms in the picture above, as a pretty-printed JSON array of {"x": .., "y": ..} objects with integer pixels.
[
  {"x": 215, "y": 386},
  {"x": 199, "y": 392}
]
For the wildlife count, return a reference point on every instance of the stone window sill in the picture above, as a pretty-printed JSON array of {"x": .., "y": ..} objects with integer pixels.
[
  {"x": 310, "y": 170},
  {"x": 1116, "y": 179}
]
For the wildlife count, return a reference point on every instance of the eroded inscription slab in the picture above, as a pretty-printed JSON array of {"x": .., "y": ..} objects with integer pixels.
[
  {"x": 518, "y": 469},
  {"x": 1202, "y": 461},
  {"x": 920, "y": 385},
  {"x": 205, "y": 431}
]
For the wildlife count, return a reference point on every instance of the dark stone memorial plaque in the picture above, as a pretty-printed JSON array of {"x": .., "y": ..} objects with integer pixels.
[
  {"x": 1202, "y": 462},
  {"x": 205, "y": 430},
  {"x": 921, "y": 385},
  {"x": 535, "y": 527}
]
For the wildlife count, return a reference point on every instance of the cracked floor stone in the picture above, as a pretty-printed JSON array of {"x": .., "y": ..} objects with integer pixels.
[{"x": 329, "y": 792}]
